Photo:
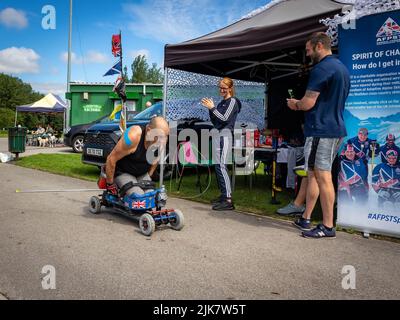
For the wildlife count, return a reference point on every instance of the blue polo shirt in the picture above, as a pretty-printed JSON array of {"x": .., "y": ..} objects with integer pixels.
[{"x": 331, "y": 79}]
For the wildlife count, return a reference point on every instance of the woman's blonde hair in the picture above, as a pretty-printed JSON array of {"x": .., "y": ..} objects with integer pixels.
[{"x": 229, "y": 82}]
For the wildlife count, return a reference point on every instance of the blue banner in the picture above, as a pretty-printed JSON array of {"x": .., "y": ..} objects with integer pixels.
[{"x": 369, "y": 176}]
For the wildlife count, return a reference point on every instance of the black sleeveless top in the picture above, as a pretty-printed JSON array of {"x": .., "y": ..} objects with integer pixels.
[{"x": 135, "y": 163}]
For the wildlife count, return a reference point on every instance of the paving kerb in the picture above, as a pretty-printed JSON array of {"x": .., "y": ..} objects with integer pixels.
[{"x": 31, "y": 150}]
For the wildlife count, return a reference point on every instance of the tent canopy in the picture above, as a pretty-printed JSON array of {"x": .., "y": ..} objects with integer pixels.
[
  {"x": 49, "y": 103},
  {"x": 272, "y": 40}
]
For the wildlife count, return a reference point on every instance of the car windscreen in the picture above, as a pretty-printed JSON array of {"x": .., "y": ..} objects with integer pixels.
[
  {"x": 154, "y": 110},
  {"x": 105, "y": 119}
]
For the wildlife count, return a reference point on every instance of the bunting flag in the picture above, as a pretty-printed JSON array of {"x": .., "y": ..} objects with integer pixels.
[
  {"x": 122, "y": 122},
  {"x": 120, "y": 110},
  {"x": 116, "y": 114},
  {"x": 116, "y": 69},
  {"x": 116, "y": 45},
  {"x": 119, "y": 88}
]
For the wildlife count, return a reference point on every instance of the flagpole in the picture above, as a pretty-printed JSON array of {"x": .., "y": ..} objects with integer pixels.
[
  {"x": 123, "y": 111},
  {"x": 164, "y": 109},
  {"x": 67, "y": 114}
]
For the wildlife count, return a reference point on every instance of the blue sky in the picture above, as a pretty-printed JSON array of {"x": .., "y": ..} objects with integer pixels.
[{"x": 38, "y": 56}]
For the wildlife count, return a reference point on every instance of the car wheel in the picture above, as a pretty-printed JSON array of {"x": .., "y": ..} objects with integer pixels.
[{"x": 77, "y": 144}]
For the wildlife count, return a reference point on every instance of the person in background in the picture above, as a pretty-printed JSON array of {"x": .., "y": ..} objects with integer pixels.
[
  {"x": 223, "y": 116},
  {"x": 324, "y": 129},
  {"x": 298, "y": 205},
  {"x": 49, "y": 131},
  {"x": 353, "y": 177},
  {"x": 362, "y": 145},
  {"x": 39, "y": 130},
  {"x": 386, "y": 178},
  {"x": 389, "y": 145}
]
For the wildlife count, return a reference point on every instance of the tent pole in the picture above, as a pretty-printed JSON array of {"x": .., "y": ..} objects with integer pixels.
[
  {"x": 69, "y": 101},
  {"x": 164, "y": 108},
  {"x": 266, "y": 102},
  {"x": 16, "y": 115}
]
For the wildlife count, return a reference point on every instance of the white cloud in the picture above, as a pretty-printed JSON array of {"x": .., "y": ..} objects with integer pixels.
[
  {"x": 179, "y": 20},
  {"x": 13, "y": 18},
  {"x": 92, "y": 56},
  {"x": 74, "y": 58},
  {"x": 96, "y": 57},
  {"x": 165, "y": 21},
  {"x": 142, "y": 52},
  {"x": 49, "y": 87},
  {"x": 19, "y": 60}
]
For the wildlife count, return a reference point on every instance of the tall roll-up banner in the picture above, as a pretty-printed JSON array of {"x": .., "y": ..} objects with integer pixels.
[{"x": 369, "y": 175}]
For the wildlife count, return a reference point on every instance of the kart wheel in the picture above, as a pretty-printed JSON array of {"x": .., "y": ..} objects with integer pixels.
[
  {"x": 94, "y": 205},
  {"x": 179, "y": 221},
  {"x": 147, "y": 224}
]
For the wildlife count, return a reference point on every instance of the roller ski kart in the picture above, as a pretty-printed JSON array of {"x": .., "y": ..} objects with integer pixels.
[{"x": 147, "y": 208}]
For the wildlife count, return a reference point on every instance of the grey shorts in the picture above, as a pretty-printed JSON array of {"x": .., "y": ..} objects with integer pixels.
[
  {"x": 320, "y": 153},
  {"x": 125, "y": 178}
]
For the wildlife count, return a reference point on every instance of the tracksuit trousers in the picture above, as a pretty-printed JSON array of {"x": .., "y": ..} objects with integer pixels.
[{"x": 222, "y": 153}]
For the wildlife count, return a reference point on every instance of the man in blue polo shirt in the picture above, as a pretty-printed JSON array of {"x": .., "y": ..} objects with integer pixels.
[{"x": 324, "y": 129}]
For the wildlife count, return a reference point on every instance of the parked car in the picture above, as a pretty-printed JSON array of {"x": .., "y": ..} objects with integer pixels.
[{"x": 74, "y": 136}]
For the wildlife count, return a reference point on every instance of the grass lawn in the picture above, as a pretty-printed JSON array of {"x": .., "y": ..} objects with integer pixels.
[
  {"x": 257, "y": 200},
  {"x": 64, "y": 164}
]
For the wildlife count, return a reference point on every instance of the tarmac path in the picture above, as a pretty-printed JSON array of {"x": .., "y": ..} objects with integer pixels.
[{"x": 217, "y": 255}]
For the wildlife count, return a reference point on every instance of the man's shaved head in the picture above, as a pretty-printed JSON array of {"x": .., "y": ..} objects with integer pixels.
[
  {"x": 159, "y": 123},
  {"x": 157, "y": 130}
]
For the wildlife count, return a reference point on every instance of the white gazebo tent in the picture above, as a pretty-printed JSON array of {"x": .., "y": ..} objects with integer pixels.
[{"x": 49, "y": 104}]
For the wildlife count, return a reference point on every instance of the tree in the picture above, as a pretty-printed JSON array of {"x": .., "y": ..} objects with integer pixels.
[
  {"x": 125, "y": 74},
  {"x": 139, "y": 69},
  {"x": 7, "y": 118},
  {"x": 142, "y": 73},
  {"x": 14, "y": 92},
  {"x": 155, "y": 75}
]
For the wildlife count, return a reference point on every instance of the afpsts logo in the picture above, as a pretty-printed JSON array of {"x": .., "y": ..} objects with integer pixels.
[{"x": 389, "y": 33}]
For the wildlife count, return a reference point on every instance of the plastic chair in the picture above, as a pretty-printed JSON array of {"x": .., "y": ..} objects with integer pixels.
[
  {"x": 29, "y": 139},
  {"x": 244, "y": 165}
]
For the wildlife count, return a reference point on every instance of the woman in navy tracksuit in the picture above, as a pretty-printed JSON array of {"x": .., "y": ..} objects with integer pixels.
[{"x": 223, "y": 117}]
